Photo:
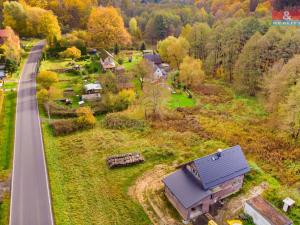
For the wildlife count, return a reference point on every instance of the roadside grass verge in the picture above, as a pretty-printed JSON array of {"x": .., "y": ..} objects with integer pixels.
[
  {"x": 7, "y": 122},
  {"x": 7, "y": 127}
]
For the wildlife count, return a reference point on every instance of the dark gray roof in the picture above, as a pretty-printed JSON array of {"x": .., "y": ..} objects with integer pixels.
[
  {"x": 185, "y": 187},
  {"x": 155, "y": 58},
  {"x": 214, "y": 170}
]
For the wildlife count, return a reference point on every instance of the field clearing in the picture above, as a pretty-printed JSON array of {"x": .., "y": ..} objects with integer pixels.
[
  {"x": 85, "y": 191},
  {"x": 136, "y": 58},
  {"x": 181, "y": 100}
]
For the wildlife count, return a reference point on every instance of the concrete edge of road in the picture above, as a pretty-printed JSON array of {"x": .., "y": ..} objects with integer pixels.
[{"x": 42, "y": 142}]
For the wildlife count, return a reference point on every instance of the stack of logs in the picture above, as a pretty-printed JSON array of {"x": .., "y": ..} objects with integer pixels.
[{"x": 124, "y": 160}]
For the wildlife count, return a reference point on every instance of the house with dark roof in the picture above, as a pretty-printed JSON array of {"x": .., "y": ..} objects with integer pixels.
[
  {"x": 201, "y": 183},
  {"x": 153, "y": 58},
  {"x": 263, "y": 213}
]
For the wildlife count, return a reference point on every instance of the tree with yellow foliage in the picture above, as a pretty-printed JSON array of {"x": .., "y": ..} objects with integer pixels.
[
  {"x": 46, "y": 79},
  {"x": 73, "y": 53},
  {"x": 85, "y": 118},
  {"x": 42, "y": 23},
  {"x": 31, "y": 21},
  {"x": 106, "y": 28},
  {"x": 14, "y": 16},
  {"x": 173, "y": 50},
  {"x": 11, "y": 47},
  {"x": 191, "y": 73}
]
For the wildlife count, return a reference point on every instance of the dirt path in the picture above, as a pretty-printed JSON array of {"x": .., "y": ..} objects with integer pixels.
[
  {"x": 234, "y": 205},
  {"x": 148, "y": 190}
]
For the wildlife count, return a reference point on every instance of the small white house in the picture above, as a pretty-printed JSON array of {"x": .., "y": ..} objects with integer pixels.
[
  {"x": 92, "y": 88},
  {"x": 263, "y": 213},
  {"x": 159, "y": 73}
]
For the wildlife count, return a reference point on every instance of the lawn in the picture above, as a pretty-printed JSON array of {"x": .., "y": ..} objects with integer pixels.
[
  {"x": 136, "y": 58},
  {"x": 181, "y": 100},
  {"x": 7, "y": 122},
  {"x": 10, "y": 85}
]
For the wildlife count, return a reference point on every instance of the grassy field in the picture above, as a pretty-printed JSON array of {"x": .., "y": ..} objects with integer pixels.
[
  {"x": 180, "y": 100},
  {"x": 136, "y": 58},
  {"x": 85, "y": 191},
  {"x": 7, "y": 122}
]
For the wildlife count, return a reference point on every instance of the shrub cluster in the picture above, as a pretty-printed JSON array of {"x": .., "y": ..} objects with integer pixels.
[
  {"x": 117, "y": 121},
  {"x": 59, "y": 111},
  {"x": 85, "y": 120},
  {"x": 64, "y": 126}
]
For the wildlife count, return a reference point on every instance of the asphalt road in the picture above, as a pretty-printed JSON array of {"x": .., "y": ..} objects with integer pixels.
[{"x": 30, "y": 196}]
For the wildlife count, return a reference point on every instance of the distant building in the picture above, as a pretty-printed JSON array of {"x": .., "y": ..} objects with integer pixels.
[
  {"x": 154, "y": 58},
  {"x": 91, "y": 97},
  {"x": 159, "y": 73},
  {"x": 124, "y": 82},
  {"x": 263, "y": 213},
  {"x": 108, "y": 63},
  {"x": 120, "y": 70},
  {"x": 92, "y": 88},
  {"x": 199, "y": 184}
]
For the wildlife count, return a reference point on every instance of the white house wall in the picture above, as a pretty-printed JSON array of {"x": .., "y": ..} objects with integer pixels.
[{"x": 258, "y": 219}]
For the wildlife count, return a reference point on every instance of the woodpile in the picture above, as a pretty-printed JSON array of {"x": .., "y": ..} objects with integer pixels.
[{"x": 124, "y": 160}]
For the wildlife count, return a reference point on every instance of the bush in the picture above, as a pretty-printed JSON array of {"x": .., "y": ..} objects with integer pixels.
[
  {"x": 72, "y": 52},
  {"x": 117, "y": 121},
  {"x": 42, "y": 95},
  {"x": 120, "y": 61},
  {"x": 85, "y": 118},
  {"x": 47, "y": 78},
  {"x": 93, "y": 66},
  {"x": 59, "y": 111},
  {"x": 63, "y": 127}
]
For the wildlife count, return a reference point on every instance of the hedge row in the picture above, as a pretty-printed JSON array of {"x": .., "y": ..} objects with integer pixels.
[{"x": 59, "y": 111}]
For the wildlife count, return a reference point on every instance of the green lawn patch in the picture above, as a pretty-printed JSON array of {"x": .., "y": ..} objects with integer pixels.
[
  {"x": 181, "y": 100},
  {"x": 10, "y": 85},
  {"x": 7, "y": 127},
  {"x": 7, "y": 123},
  {"x": 136, "y": 58}
]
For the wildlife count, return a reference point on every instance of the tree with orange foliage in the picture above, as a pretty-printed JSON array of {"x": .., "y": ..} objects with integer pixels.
[{"x": 106, "y": 28}]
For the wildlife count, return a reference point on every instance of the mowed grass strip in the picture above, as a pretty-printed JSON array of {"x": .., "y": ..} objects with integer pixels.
[{"x": 7, "y": 123}]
